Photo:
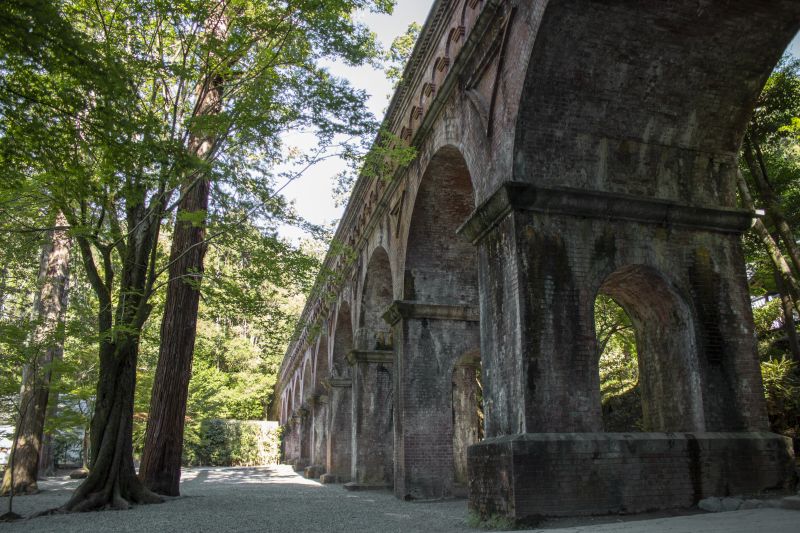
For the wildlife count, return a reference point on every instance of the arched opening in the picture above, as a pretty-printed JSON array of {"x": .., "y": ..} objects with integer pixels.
[
  {"x": 662, "y": 356},
  {"x": 376, "y": 297},
  {"x": 338, "y": 458},
  {"x": 467, "y": 413},
  {"x": 441, "y": 266},
  {"x": 322, "y": 370},
  {"x": 373, "y": 386},
  {"x": 620, "y": 394},
  {"x": 306, "y": 429},
  {"x": 436, "y": 417},
  {"x": 320, "y": 406},
  {"x": 342, "y": 342}
]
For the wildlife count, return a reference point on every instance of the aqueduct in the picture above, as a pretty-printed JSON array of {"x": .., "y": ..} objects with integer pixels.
[{"x": 565, "y": 148}]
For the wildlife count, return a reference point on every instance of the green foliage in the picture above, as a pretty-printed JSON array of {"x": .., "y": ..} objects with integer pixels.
[
  {"x": 216, "y": 442},
  {"x": 782, "y": 389},
  {"x": 98, "y": 106},
  {"x": 619, "y": 366},
  {"x": 773, "y": 135},
  {"x": 400, "y": 51}
]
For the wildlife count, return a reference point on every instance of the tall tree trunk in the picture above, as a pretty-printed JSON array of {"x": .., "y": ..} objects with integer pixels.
[
  {"x": 790, "y": 282},
  {"x": 161, "y": 458},
  {"x": 112, "y": 481},
  {"x": 755, "y": 163},
  {"x": 46, "y": 345},
  {"x": 160, "y": 468},
  {"x": 788, "y": 317}
]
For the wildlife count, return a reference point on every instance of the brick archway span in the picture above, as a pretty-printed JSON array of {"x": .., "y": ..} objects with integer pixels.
[
  {"x": 647, "y": 98},
  {"x": 440, "y": 265},
  {"x": 666, "y": 339}
]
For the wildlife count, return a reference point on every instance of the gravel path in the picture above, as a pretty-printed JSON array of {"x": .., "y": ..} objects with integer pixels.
[{"x": 277, "y": 499}]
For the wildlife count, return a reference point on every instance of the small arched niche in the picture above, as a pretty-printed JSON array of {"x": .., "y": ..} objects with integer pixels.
[
  {"x": 667, "y": 364},
  {"x": 376, "y": 297},
  {"x": 342, "y": 342}
]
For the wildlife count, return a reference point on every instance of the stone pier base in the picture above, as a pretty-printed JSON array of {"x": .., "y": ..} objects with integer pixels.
[{"x": 527, "y": 476}]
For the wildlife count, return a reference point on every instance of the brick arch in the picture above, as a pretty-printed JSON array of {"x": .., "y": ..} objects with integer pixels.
[
  {"x": 297, "y": 391},
  {"x": 669, "y": 366},
  {"x": 342, "y": 341},
  {"x": 321, "y": 362},
  {"x": 307, "y": 378},
  {"x": 440, "y": 266},
  {"x": 376, "y": 297},
  {"x": 646, "y": 98}
]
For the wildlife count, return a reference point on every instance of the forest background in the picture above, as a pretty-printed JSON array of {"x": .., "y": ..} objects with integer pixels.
[{"x": 255, "y": 279}]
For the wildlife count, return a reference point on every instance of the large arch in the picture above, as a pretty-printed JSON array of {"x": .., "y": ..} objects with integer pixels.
[
  {"x": 319, "y": 405},
  {"x": 376, "y": 297},
  {"x": 373, "y": 388},
  {"x": 440, "y": 266},
  {"x": 646, "y": 98},
  {"x": 435, "y": 325}
]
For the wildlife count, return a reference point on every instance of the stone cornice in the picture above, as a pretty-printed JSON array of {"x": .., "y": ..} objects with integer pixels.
[
  {"x": 370, "y": 356},
  {"x": 339, "y": 382},
  {"x": 518, "y": 196},
  {"x": 401, "y": 309}
]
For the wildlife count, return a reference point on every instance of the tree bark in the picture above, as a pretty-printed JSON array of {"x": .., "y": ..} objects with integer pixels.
[
  {"x": 161, "y": 458},
  {"x": 790, "y": 282},
  {"x": 788, "y": 317},
  {"x": 755, "y": 163},
  {"x": 46, "y": 345},
  {"x": 112, "y": 481},
  {"x": 160, "y": 468}
]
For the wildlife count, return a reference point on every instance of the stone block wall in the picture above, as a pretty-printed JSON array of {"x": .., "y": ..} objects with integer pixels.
[{"x": 525, "y": 477}]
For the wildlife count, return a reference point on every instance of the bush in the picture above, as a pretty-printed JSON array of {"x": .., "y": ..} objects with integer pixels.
[{"x": 216, "y": 442}]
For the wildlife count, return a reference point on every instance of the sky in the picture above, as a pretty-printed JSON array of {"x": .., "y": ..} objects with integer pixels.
[{"x": 312, "y": 193}]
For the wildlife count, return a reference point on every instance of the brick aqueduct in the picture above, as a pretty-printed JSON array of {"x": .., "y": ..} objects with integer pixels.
[{"x": 566, "y": 148}]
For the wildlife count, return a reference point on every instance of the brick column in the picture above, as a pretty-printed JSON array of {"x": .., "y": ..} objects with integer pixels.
[
  {"x": 429, "y": 340},
  {"x": 304, "y": 438},
  {"x": 319, "y": 428},
  {"x": 372, "y": 418},
  {"x": 544, "y": 254},
  {"x": 339, "y": 444},
  {"x": 291, "y": 440}
]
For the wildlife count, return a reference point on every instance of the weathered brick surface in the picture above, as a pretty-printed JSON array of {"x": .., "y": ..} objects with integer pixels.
[
  {"x": 338, "y": 459},
  {"x": 558, "y": 474},
  {"x": 372, "y": 418},
  {"x": 643, "y": 102},
  {"x": 428, "y": 350}
]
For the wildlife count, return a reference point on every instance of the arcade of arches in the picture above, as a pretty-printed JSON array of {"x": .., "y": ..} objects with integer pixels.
[{"x": 566, "y": 149}]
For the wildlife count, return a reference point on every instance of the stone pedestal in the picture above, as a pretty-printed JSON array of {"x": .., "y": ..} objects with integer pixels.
[
  {"x": 372, "y": 417},
  {"x": 305, "y": 437},
  {"x": 528, "y": 476},
  {"x": 430, "y": 340},
  {"x": 339, "y": 442}
]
